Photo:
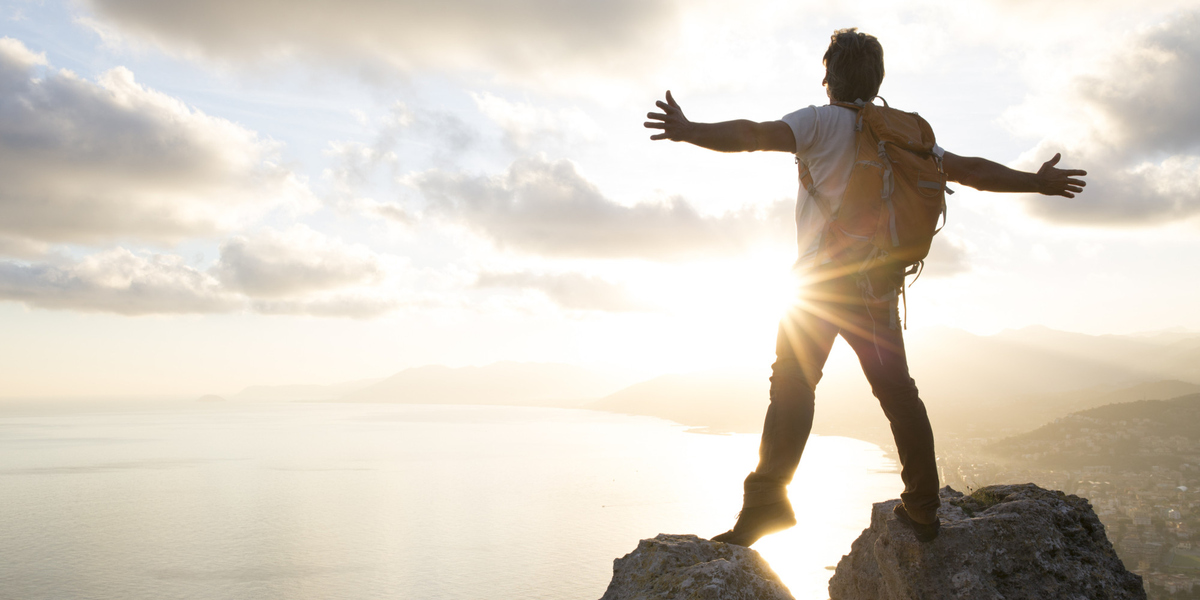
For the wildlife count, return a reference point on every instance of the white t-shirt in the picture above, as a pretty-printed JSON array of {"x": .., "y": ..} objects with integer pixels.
[{"x": 824, "y": 142}]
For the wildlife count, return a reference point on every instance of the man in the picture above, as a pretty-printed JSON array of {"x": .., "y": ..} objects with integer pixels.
[{"x": 823, "y": 138}]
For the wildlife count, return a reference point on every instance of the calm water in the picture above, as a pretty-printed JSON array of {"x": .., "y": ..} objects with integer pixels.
[{"x": 359, "y": 501}]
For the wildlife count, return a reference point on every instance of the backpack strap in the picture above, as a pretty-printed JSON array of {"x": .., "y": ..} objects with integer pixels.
[
  {"x": 855, "y": 106},
  {"x": 806, "y": 182}
]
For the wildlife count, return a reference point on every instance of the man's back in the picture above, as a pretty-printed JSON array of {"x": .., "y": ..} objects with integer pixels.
[{"x": 825, "y": 142}]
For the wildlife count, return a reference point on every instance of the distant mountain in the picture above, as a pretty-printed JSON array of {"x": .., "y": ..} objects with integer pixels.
[
  {"x": 1100, "y": 396},
  {"x": 513, "y": 383},
  {"x": 1130, "y": 435},
  {"x": 1014, "y": 381},
  {"x": 1022, "y": 413},
  {"x": 973, "y": 386},
  {"x": 301, "y": 392},
  {"x": 976, "y": 386},
  {"x": 1037, "y": 360}
]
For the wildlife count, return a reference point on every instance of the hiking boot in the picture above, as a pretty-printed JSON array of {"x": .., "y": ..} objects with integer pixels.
[
  {"x": 757, "y": 521},
  {"x": 925, "y": 532}
]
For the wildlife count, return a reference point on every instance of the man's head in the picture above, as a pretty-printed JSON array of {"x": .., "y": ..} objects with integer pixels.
[{"x": 853, "y": 66}]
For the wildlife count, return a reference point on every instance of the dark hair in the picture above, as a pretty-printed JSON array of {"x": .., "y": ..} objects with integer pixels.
[{"x": 853, "y": 65}]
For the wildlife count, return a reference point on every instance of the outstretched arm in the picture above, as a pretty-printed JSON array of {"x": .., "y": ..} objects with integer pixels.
[
  {"x": 727, "y": 136},
  {"x": 985, "y": 175}
]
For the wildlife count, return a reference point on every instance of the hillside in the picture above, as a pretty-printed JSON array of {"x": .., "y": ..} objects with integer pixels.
[{"x": 1132, "y": 435}]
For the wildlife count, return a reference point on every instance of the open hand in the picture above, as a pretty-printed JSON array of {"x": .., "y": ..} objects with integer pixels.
[
  {"x": 1059, "y": 182},
  {"x": 675, "y": 126}
]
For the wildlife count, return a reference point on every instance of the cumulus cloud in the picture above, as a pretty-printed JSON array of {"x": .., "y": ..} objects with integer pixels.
[
  {"x": 117, "y": 281},
  {"x": 548, "y": 208},
  {"x": 574, "y": 291},
  {"x": 294, "y": 272},
  {"x": 17, "y": 60},
  {"x": 277, "y": 264},
  {"x": 90, "y": 162},
  {"x": 1135, "y": 127},
  {"x": 522, "y": 37}
]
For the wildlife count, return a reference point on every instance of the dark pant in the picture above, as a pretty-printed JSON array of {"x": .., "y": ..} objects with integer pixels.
[{"x": 806, "y": 334}]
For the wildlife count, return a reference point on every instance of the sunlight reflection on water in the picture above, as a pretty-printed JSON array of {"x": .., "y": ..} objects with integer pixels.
[{"x": 304, "y": 500}]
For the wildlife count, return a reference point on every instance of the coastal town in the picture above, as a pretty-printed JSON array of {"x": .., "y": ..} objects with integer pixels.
[{"x": 1138, "y": 464}]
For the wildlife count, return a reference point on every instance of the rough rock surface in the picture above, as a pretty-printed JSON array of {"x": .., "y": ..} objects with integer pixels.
[
  {"x": 685, "y": 567},
  {"x": 1002, "y": 542}
]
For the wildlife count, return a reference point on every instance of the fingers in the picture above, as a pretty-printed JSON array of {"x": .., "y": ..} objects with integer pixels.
[
  {"x": 670, "y": 109},
  {"x": 1066, "y": 188},
  {"x": 1067, "y": 185},
  {"x": 671, "y": 118}
]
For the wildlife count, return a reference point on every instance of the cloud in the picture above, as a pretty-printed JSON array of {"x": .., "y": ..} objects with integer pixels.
[
  {"x": 443, "y": 135},
  {"x": 21, "y": 247},
  {"x": 548, "y": 208},
  {"x": 1149, "y": 90},
  {"x": 117, "y": 281},
  {"x": 343, "y": 305},
  {"x": 444, "y": 138},
  {"x": 948, "y": 256},
  {"x": 293, "y": 272},
  {"x": 277, "y": 264},
  {"x": 1134, "y": 126},
  {"x": 17, "y": 59},
  {"x": 573, "y": 291},
  {"x": 523, "y": 37},
  {"x": 93, "y": 162}
]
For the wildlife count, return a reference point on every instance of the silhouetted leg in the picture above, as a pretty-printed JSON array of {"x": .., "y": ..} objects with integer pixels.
[
  {"x": 879, "y": 344},
  {"x": 801, "y": 349}
]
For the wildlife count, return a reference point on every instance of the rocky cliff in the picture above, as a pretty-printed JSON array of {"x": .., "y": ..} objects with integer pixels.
[
  {"x": 1003, "y": 541},
  {"x": 685, "y": 567}
]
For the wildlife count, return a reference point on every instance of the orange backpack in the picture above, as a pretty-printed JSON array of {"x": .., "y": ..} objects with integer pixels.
[{"x": 895, "y": 197}]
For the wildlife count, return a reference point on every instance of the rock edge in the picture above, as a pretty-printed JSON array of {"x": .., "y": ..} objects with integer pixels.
[
  {"x": 1003, "y": 541},
  {"x": 686, "y": 567}
]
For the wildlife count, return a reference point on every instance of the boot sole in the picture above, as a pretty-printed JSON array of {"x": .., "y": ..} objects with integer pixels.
[{"x": 749, "y": 536}]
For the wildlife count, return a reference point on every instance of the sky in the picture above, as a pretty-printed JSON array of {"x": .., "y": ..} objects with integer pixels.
[{"x": 197, "y": 197}]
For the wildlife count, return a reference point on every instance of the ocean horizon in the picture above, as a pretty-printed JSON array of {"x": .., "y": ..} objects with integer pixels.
[{"x": 429, "y": 502}]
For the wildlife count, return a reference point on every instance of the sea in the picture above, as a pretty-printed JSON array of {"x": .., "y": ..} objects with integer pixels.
[{"x": 299, "y": 500}]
